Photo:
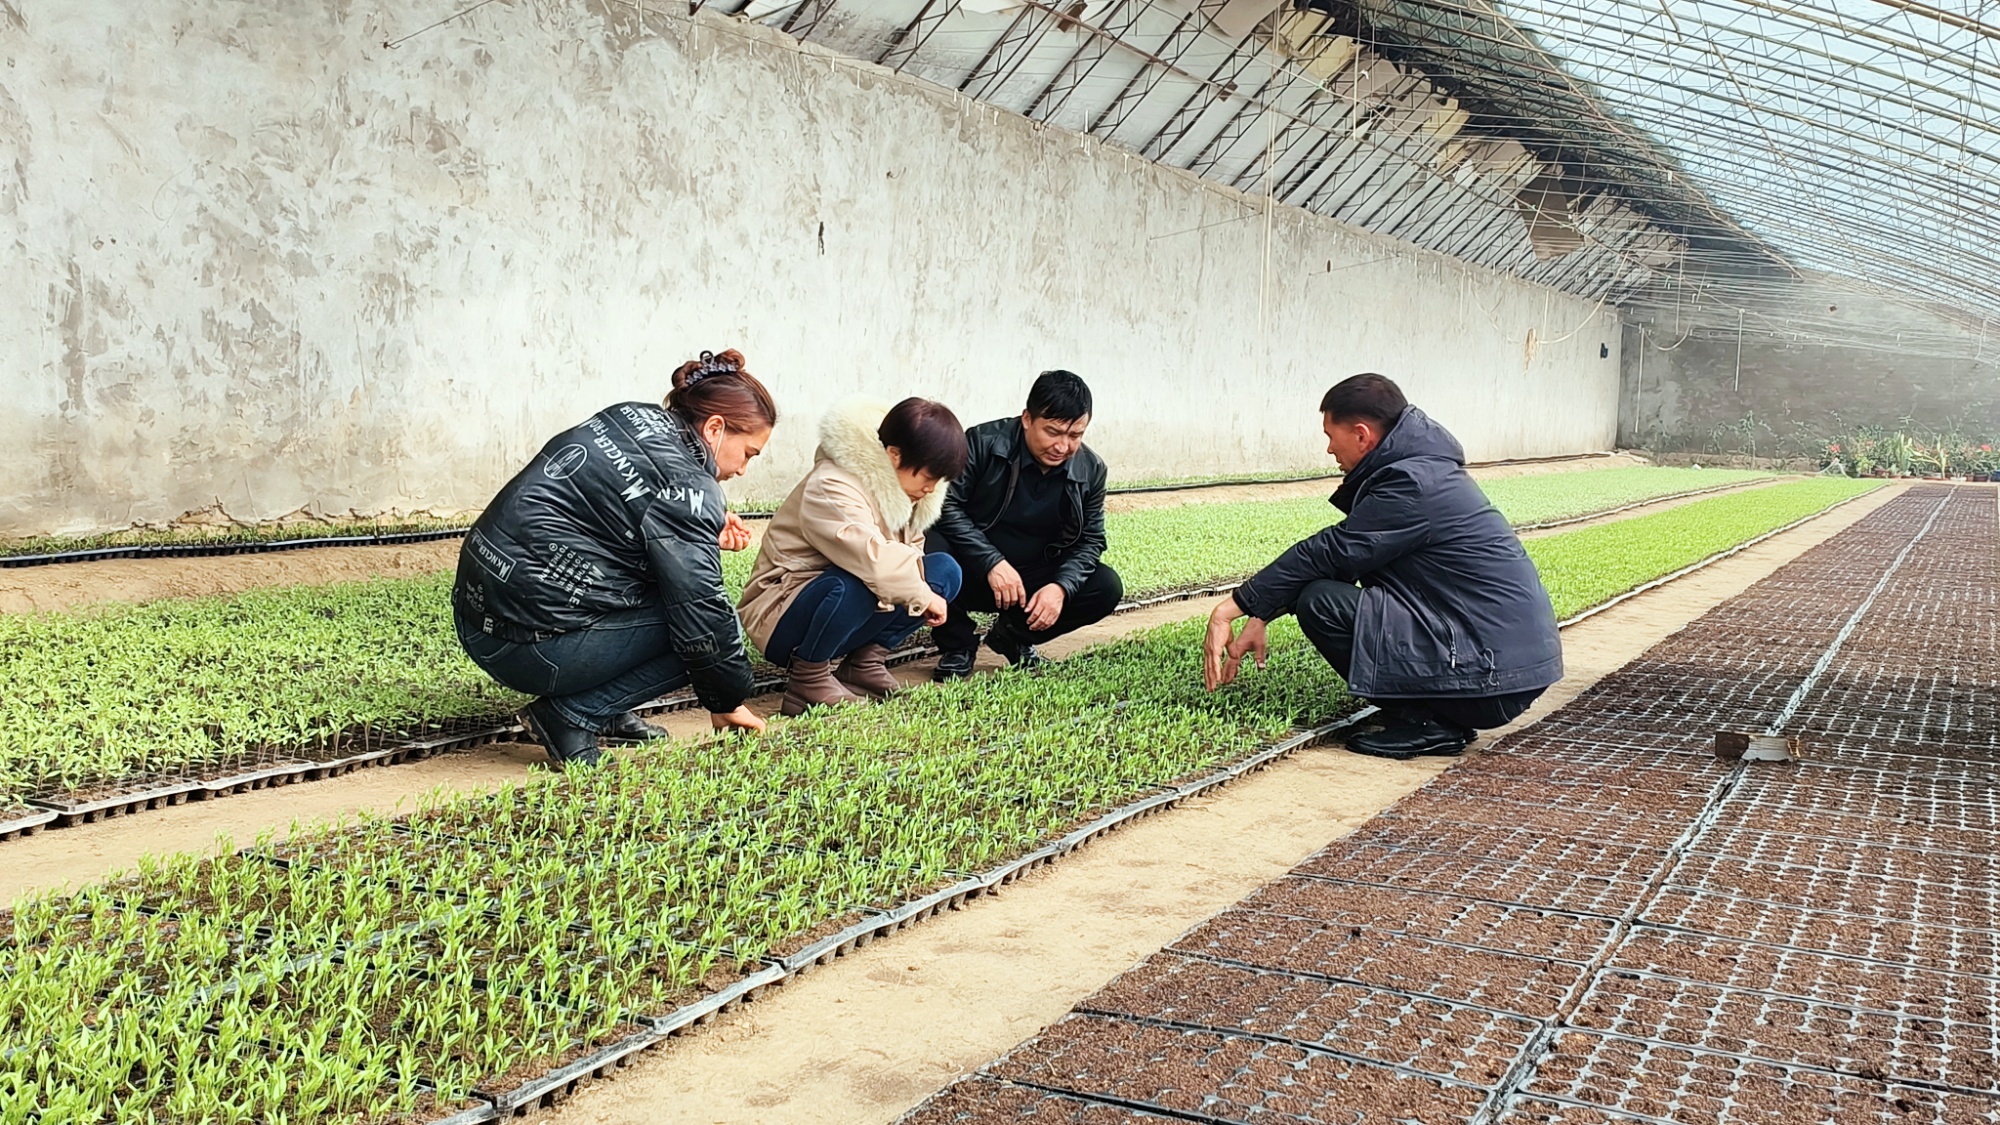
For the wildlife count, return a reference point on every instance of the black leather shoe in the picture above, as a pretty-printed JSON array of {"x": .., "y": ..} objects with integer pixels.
[
  {"x": 567, "y": 744},
  {"x": 629, "y": 727},
  {"x": 953, "y": 666},
  {"x": 1404, "y": 739}
]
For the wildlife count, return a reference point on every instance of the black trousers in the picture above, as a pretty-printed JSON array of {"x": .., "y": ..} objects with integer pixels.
[
  {"x": 1099, "y": 595},
  {"x": 1326, "y": 611}
]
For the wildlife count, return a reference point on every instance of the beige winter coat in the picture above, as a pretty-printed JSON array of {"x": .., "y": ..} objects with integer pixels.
[{"x": 849, "y": 512}]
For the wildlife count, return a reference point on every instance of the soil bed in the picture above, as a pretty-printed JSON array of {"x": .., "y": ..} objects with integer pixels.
[
  {"x": 1502, "y": 982},
  {"x": 1436, "y": 1038},
  {"x": 1447, "y": 918},
  {"x": 1217, "y": 1077}
]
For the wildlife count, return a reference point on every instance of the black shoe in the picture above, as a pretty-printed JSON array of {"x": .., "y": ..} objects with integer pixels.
[
  {"x": 567, "y": 744},
  {"x": 1018, "y": 653},
  {"x": 954, "y": 666},
  {"x": 1403, "y": 739},
  {"x": 629, "y": 727}
]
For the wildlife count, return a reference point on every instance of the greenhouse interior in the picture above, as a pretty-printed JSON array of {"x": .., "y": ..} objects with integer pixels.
[{"x": 1076, "y": 562}]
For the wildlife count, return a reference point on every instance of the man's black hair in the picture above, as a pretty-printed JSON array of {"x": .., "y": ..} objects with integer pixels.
[
  {"x": 1366, "y": 397},
  {"x": 1059, "y": 396}
]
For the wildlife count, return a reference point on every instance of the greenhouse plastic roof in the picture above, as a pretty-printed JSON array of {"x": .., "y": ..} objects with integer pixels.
[{"x": 1610, "y": 149}]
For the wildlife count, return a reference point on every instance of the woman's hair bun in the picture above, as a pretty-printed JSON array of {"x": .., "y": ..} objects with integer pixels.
[
  {"x": 711, "y": 363},
  {"x": 742, "y": 401}
]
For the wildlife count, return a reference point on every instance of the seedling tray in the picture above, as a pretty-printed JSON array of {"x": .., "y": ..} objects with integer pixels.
[
  {"x": 1890, "y": 940},
  {"x": 1687, "y": 1086},
  {"x": 206, "y": 550},
  {"x": 1857, "y": 858},
  {"x": 1466, "y": 813},
  {"x": 1202, "y": 1075},
  {"x": 1407, "y": 963},
  {"x": 1417, "y": 1035},
  {"x": 978, "y": 1098},
  {"x": 558, "y": 1084},
  {"x": 1450, "y": 919},
  {"x": 1517, "y": 845},
  {"x": 1825, "y": 1035},
  {"x": 1923, "y": 992},
  {"x": 24, "y": 820},
  {"x": 473, "y": 1115},
  {"x": 1966, "y": 903},
  {"x": 100, "y": 808},
  {"x": 1608, "y": 894}
]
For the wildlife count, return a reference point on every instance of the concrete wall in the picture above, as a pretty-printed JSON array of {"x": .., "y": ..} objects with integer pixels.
[
  {"x": 1815, "y": 361},
  {"x": 256, "y": 259}
]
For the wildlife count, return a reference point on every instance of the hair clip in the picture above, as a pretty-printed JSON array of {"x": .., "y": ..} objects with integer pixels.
[{"x": 711, "y": 365}]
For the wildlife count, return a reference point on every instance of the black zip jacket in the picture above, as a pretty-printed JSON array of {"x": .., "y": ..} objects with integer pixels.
[
  {"x": 987, "y": 485},
  {"x": 1450, "y": 603},
  {"x": 621, "y": 512}
]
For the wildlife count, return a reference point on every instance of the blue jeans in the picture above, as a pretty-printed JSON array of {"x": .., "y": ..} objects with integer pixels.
[
  {"x": 590, "y": 676},
  {"x": 835, "y": 614}
]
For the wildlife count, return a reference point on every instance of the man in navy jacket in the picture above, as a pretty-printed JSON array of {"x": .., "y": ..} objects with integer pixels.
[{"x": 1422, "y": 597}]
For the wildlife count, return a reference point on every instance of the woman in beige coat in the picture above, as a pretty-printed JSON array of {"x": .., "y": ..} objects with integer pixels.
[{"x": 842, "y": 571}]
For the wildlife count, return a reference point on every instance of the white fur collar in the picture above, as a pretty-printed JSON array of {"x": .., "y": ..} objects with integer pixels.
[{"x": 847, "y": 437}]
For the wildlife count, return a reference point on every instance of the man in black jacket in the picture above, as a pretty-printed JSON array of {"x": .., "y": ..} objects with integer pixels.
[
  {"x": 1026, "y": 523},
  {"x": 1448, "y": 629}
]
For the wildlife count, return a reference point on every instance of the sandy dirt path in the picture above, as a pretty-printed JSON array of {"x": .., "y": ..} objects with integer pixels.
[{"x": 874, "y": 1033}]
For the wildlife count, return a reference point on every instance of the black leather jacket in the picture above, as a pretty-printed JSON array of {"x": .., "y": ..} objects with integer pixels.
[
  {"x": 618, "y": 513},
  {"x": 986, "y": 487}
]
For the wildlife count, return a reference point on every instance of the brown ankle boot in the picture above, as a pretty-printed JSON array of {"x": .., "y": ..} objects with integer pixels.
[
  {"x": 810, "y": 683},
  {"x": 866, "y": 671}
]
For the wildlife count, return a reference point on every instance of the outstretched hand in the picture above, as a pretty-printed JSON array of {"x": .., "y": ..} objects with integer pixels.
[
  {"x": 1223, "y": 649},
  {"x": 743, "y": 718}
]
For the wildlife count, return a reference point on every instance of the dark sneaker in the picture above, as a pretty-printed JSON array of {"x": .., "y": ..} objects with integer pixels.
[
  {"x": 629, "y": 727},
  {"x": 567, "y": 744},
  {"x": 953, "y": 666},
  {"x": 1403, "y": 739},
  {"x": 1018, "y": 654}
]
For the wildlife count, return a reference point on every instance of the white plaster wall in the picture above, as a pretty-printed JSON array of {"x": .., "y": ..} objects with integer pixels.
[{"x": 251, "y": 257}]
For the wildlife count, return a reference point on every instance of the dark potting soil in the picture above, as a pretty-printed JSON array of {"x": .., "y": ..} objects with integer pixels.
[
  {"x": 1502, "y": 981},
  {"x": 1696, "y": 1087},
  {"x": 1228, "y": 1078},
  {"x": 1578, "y": 889},
  {"x": 1461, "y": 921},
  {"x": 1931, "y": 837},
  {"x": 1683, "y": 805},
  {"x": 1431, "y": 1036},
  {"x": 1858, "y": 858},
  {"x": 1618, "y": 828},
  {"x": 1512, "y": 844},
  {"x": 1913, "y": 991},
  {"x": 1886, "y": 939},
  {"x": 1781, "y": 1029},
  {"x": 1955, "y": 903}
]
